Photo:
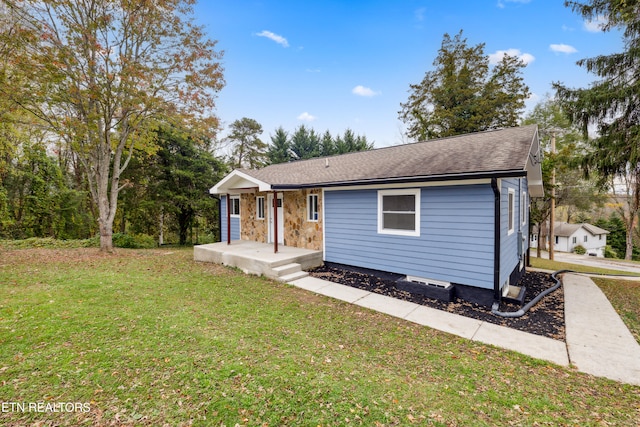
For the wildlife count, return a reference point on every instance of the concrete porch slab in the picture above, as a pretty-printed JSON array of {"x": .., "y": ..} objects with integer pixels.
[{"x": 256, "y": 258}]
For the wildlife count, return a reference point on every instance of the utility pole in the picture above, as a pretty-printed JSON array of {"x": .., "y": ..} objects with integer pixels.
[{"x": 552, "y": 214}]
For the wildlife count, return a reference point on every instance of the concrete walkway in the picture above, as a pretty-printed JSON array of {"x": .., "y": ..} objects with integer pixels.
[{"x": 598, "y": 343}]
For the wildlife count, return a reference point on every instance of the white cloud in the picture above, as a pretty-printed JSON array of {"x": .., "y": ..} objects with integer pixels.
[
  {"x": 419, "y": 13},
  {"x": 562, "y": 48},
  {"x": 306, "y": 117},
  {"x": 496, "y": 57},
  {"x": 567, "y": 28},
  {"x": 502, "y": 5},
  {"x": 275, "y": 37},
  {"x": 596, "y": 25},
  {"x": 364, "y": 91}
]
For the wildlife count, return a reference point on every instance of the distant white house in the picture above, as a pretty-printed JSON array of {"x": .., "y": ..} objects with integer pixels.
[{"x": 568, "y": 236}]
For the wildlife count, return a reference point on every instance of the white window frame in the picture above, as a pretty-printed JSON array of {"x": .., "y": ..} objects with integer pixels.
[
  {"x": 404, "y": 192},
  {"x": 511, "y": 211},
  {"x": 260, "y": 201},
  {"x": 231, "y": 201},
  {"x": 523, "y": 208},
  {"x": 312, "y": 214},
  {"x": 586, "y": 238}
]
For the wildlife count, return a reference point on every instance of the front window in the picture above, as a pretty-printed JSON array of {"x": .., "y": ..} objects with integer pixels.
[
  {"x": 399, "y": 212},
  {"x": 312, "y": 207},
  {"x": 235, "y": 205},
  {"x": 260, "y": 207}
]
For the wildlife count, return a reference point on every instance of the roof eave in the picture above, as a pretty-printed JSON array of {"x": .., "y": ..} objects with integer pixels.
[{"x": 405, "y": 179}]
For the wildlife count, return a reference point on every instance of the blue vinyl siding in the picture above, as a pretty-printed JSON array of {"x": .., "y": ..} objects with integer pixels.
[
  {"x": 235, "y": 222},
  {"x": 509, "y": 242},
  {"x": 455, "y": 242}
]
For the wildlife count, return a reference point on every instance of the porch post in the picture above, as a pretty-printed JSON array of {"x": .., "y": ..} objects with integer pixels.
[
  {"x": 228, "y": 219},
  {"x": 275, "y": 222}
]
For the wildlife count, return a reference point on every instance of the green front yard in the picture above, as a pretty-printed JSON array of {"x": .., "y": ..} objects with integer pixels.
[{"x": 152, "y": 338}]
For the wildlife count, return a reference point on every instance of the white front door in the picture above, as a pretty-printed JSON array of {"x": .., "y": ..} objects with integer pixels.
[{"x": 280, "y": 219}]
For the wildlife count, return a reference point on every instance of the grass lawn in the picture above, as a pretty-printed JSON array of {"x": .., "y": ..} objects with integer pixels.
[
  {"x": 152, "y": 338},
  {"x": 624, "y": 295}
]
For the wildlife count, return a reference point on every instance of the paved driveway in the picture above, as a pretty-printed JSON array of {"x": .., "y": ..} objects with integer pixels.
[{"x": 592, "y": 261}]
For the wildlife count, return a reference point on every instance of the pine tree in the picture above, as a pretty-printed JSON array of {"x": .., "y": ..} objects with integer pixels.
[
  {"x": 278, "y": 151},
  {"x": 612, "y": 104}
]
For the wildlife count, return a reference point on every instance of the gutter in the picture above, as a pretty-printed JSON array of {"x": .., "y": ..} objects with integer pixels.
[{"x": 496, "y": 241}]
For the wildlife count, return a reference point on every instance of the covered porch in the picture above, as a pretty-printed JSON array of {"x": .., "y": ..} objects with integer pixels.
[{"x": 259, "y": 258}]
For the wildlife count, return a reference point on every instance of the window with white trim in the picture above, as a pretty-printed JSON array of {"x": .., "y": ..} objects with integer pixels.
[
  {"x": 524, "y": 206},
  {"x": 574, "y": 240},
  {"x": 585, "y": 238},
  {"x": 260, "y": 207},
  {"x": 235, "y": 206},
  {"x": 512, "y": 210},
  {"x": 312, "y": 207},
  {"x": 399, "y": 212}
]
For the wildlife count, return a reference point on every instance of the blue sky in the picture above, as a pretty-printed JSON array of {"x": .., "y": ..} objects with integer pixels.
[{"x": 333, "y": 65}]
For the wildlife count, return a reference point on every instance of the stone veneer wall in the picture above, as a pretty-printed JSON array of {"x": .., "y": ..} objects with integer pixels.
[
  {"x": 251, "y": 228},
  {"x": 298, "y": 231}
]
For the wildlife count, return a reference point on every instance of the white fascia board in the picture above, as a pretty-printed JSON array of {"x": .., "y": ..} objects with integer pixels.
[{"x": 237, "y": 181}]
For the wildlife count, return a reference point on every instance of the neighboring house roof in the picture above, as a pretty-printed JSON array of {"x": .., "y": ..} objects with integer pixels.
[
  {"x": 499, "y": 153},
  {"x": 564, "y": 229}
]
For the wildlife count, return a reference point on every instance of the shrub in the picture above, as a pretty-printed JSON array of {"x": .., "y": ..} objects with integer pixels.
[
  {"x": 134, "y": 241},
  {"x": 50, "y": 242},
  {"x": 609, "y": 252},
  {"x": 579, "y": 249}
]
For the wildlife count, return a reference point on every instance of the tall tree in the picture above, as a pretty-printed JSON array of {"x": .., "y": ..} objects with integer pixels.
[
  {"x": 611, "y": 104},
  {"x": 248, "y": 148},
  {"x": 572, "y": 190},
  {"x": 463, "y": 94},
  {"x": 101, "y": 73},
  {"x": 278, "y": 151}
]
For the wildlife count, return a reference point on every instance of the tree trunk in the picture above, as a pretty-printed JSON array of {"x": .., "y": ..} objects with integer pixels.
[
  {"x": 106, "y": 237},
  {"x": 628, "y": 254},
  {"x": 161, "y": 228}
]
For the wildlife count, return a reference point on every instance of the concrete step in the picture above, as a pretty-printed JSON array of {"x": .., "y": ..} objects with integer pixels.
[
  {"x": 293, "y": 276},
  {"x": 286, "y": 269}
]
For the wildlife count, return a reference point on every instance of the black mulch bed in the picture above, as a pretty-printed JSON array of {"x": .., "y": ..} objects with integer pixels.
[{"x": 545, "y": 318}]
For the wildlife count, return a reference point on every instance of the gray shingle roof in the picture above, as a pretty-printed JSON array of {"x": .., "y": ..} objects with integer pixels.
[
  {"x": 565, "y": 229},
  {"x": 499, "y": 151}
]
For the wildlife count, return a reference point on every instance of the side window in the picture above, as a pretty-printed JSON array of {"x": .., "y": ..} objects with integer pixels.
[
  {"x": 512, "y": 208},
  {"x": 399, "y": 212}
]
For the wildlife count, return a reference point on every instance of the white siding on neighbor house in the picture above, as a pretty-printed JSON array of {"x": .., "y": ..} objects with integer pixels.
[
  {"x": 509, "y": 242},
  {"x": 455, "y": 242},
  {"x": 235, "y": 222},
  {"x": 593, "y": 244}
]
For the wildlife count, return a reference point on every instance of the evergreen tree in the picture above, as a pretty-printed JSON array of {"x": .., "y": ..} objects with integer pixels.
[
  {"x": 278, "y": 151},
  {"x": 463, "y": 94},
  {"x": 327, "y": 144},
  {"x": 612, "y": 104},
  {"x": 305, "y": 143}
]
